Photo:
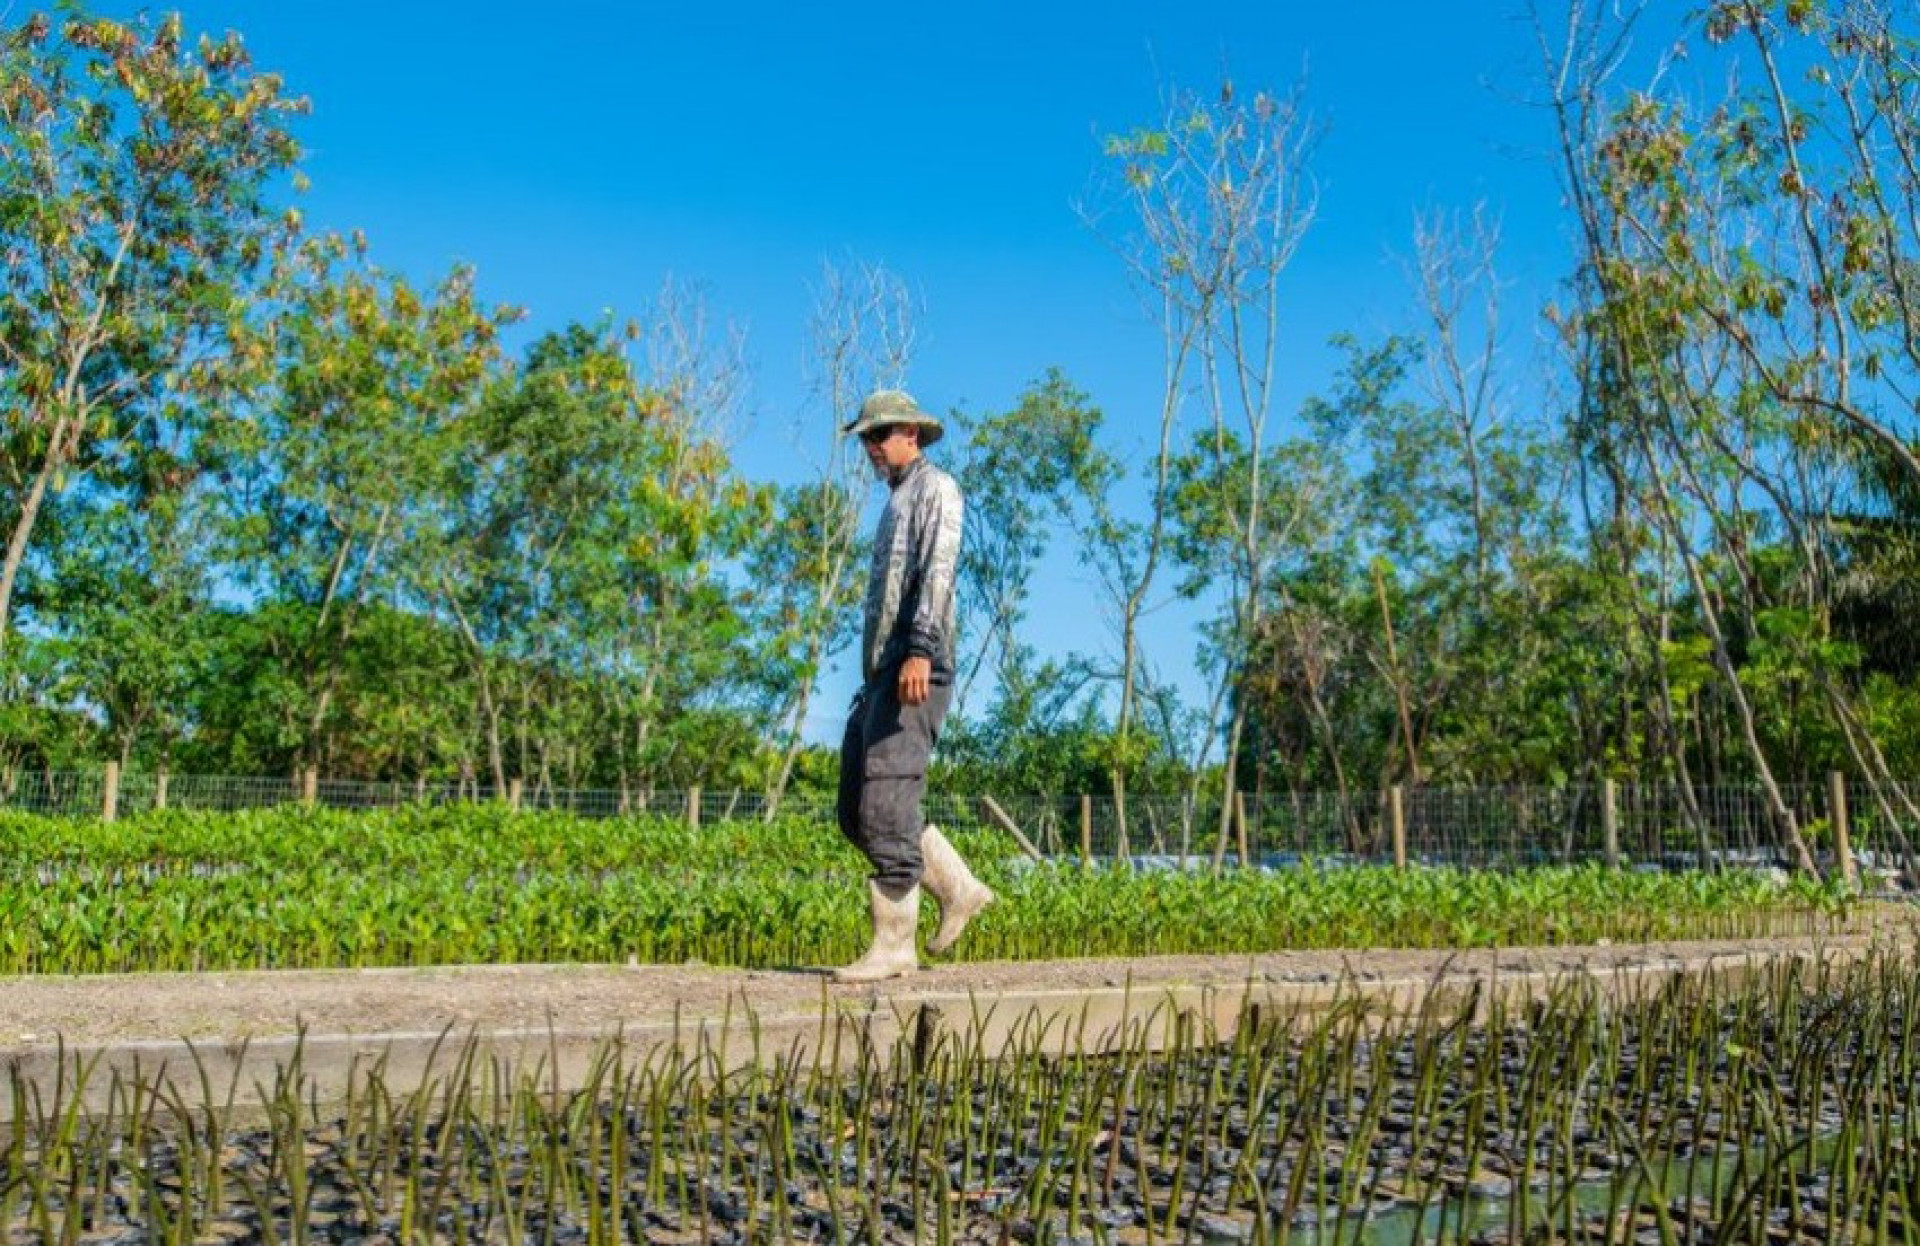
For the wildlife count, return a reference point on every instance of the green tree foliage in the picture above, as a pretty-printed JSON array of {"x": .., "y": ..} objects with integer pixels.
[
  {"x": 269, "y": 506},
  {"x": 374, "y": 384},
  {"x": 1020, "y": 472},
  {"x": 573, "y": 542},
  {"x": 137, "y": 224}
]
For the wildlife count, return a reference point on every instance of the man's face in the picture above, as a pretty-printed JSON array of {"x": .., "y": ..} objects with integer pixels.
[{"x": 890, "y": 447}]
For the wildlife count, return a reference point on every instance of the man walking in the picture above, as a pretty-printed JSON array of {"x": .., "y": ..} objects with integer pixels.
[{"x": 906, "y": 669}]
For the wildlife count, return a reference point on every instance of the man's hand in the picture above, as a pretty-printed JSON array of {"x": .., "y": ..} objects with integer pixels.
[{"x": 916, "y": 676}]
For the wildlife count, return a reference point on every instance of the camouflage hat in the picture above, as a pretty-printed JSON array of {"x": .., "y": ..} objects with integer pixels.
[{"x": 895, "y": 406}]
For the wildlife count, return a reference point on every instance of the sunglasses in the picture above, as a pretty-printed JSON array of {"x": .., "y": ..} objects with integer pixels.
[{"x": 874, "y": 436}]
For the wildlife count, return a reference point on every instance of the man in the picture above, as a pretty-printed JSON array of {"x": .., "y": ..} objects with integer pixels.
[{"x": 906, "y": 668}]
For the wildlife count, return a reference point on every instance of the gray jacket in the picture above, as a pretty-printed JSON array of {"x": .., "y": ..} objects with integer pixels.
[{"x": 916, "y": 557}]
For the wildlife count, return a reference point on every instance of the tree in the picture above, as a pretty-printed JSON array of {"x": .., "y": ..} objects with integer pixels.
[
  {"x": 690, "y": 518},
  {"x": 128, "y": 597},
  {"x": 1678, "y": 409},
  {"x": 574, "y": 540},
  {"x": 523, "y": 482},
  {"x": 135, "y": 171},
  {"x": 1014, "y": 492},
  {"x": 1217, "y": 198},
  {"x": 807, "y": 571},
  {"x": 39, "y": 729},
  {"x": 372, "y": 378},
  {"x": 1215, "y": 481}
]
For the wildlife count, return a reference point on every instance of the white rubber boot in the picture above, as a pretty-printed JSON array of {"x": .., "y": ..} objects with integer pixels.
[
  {"x": 894, "y": 925},
  {"x": 960, "y": 894}
]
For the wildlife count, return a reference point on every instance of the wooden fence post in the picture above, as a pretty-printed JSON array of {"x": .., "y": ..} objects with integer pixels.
[
  {"x": 1610, "y": 822},
  {"x": 1005, "y": 822},
  {"x": 1397, "y": 822},
  {"x": 110, "y": 793},
  {"x": 160, "y": 788},
  {"x": 310, "y": 786},
  {"x": 1842, "y": 837},
  {"x": 1086, "y": 832},
  {"x": 515, "y": 786},
  {"x": 1240, "y": 826},
  {"x": 693, "y": 806}
]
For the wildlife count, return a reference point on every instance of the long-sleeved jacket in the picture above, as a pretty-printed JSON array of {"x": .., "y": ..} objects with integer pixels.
[{"x": 916, "y": 557}]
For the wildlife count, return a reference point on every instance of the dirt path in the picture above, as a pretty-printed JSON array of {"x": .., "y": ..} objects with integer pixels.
[{"x": 114, "y": 1009}]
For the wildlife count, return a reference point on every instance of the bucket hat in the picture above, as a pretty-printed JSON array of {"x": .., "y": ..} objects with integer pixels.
[{"x": 895, "y": 406}]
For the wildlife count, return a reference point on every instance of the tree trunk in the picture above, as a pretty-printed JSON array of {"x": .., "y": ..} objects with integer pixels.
[
  {"x": 1398, "y": 679},
  {"x": 23, "y": 526},
  {"x": 66, "y": 429},
  {"x": 1129, "y": 651},
  {"x": 1730, "y": 676},
  {"x": 491, "y": 711},
  {"x": 1867, "y": 755},
  {"x": 1658, "y": 632},
  {"x": 496, "y": 758},
  {"x": 1230, "y": 772},
  {"x": 778, "y": 790},
  {"x": 337, "y": 650}
]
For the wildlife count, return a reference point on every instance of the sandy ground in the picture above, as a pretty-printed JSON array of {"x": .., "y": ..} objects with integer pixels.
[{"x": 106, "y": 1010}]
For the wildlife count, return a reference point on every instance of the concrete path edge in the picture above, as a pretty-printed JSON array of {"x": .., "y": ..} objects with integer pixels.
[{"x": 841, "y": 1031}]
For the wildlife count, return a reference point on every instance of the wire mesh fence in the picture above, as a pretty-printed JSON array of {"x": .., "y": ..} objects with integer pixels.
[{"x": 1649, "y": 826}]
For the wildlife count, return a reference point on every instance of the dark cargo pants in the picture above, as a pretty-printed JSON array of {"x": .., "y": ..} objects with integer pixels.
[{"x": 883, "y": 775}]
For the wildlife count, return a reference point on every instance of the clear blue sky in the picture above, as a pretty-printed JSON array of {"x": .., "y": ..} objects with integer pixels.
[{"x": 577, "y": 152}]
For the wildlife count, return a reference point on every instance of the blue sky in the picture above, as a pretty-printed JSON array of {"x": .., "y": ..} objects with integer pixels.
[{"x": 578, "y": 152}]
